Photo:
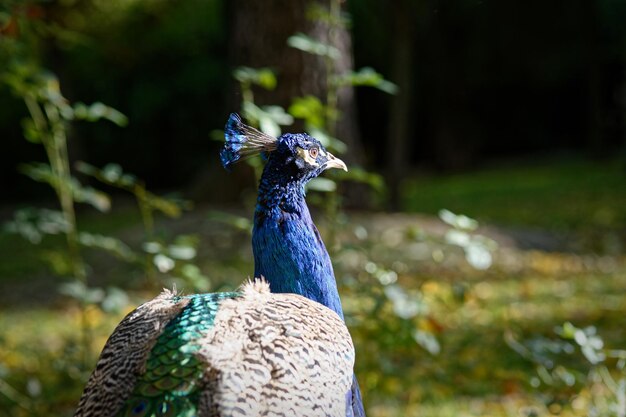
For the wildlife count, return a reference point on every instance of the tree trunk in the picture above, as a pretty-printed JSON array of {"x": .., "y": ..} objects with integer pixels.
[{"x": 260, "y": 30}]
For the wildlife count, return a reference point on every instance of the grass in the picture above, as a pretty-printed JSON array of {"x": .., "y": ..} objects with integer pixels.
[
  {"x": 476, "y": 373},
  {"x": 470, "y": 313},
  {"x": 562, "y": 195}
]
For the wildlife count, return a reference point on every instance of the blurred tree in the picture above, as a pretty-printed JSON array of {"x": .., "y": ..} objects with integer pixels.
[
  {"x": 480, "y": 79},
  {"x": 259, "y": 34}
]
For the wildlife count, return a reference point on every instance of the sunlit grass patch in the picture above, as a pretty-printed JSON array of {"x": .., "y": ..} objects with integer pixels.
[
  {"x": 469, "y": 314},
  {"x": 41, "y": 356}
]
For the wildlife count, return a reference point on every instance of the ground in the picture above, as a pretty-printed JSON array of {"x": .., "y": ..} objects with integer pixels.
[{"x": 434, "y": 335}]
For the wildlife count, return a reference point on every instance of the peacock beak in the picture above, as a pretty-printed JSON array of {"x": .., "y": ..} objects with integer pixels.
[{"x": 334, "y": 162}]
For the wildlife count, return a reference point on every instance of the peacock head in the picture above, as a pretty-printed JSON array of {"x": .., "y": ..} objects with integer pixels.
[{"x": 296, "y": 157}]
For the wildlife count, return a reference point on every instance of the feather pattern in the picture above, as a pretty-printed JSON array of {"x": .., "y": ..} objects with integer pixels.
[
  {"x": 252, "y": 352},
  {"x": 125, "y": 354},
  {"x": 278, "y": 355},
  {"x": 243, "y": 141},
  {"x": 172, "y": 379}
]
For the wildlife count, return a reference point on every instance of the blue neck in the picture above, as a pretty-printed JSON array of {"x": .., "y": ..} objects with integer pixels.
[
  {"x": 290, "y": 254},
  {"x": 288, "y": 249}
]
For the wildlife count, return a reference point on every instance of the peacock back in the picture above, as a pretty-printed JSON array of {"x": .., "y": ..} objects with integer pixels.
[{"x": 247, "y": 353}]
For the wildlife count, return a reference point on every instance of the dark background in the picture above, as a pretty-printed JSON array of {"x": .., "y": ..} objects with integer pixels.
[{"x": 487, "y": 80}]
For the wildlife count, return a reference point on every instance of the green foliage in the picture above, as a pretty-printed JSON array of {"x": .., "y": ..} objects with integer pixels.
[
  {"x": 33, "y": 224},
  {"x": 50, "y": 114},
  {"x": 310, "y": 45},
  {"x": 267, "y": 118},
  {"x": 577, "y": 368},
  {"x": 477, "y": 248},
  {"x": 319, "y": 114},
  {"x": 262, "y": 77},
  {"x": 468, "y": 312},
  {"x": 552, "y": 195},
  {"x": 42, "y": 172},
  {"x": 149, "y": 203},
  {"x": 445, "y": 323},
  {"x": 368, "y": 77},
  {"x": 47, "y": 126}
]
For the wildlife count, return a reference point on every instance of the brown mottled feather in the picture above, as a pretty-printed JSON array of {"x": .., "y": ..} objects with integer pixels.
[
  {"x": 276, "y": 355},
  {"x": 266, "y": 355},
  {"x": 124, "y": 356}
]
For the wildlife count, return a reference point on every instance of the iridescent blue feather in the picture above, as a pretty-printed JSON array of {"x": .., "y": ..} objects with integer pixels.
[
  {"x": 161, "y": 362},
  {"x": 243, "y": 141}
]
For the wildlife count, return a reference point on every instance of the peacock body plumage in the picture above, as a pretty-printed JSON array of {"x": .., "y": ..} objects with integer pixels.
[{"x": 277, "y": 347}]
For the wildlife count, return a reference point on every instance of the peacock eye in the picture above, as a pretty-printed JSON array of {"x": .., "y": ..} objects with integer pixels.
[{"x": 313, "y": 152}]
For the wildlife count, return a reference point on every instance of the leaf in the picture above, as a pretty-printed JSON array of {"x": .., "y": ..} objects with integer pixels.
[
  {"x": 115, "y": 300},
  {"x": 33, "y": 387},
  {"x": 81, "y": 292},
  {"x": 152, "y": 247},
  {"x": 278, "y": 114},
  {"x": 367, "y": 77},
  {"x": 263, "y": 77},
  {"x": 404, "y": 306},
  {"x": 427, "y": 340},
  {"x": 98, "y": 111},
  {"x": 41, "y": 172},
  {"x": 372, "y": 179},
  {"x": 51, "y": 222},
  {"x": 238, "y": 222},
  {"x": 111, "y": 174},
  {"x": 107, "y": 243},
  {"x": 269, "y": 118},
  {"x": 310, "y": 109},
  {"x": 325, "y": 185},
  {"x": 97, "y": 199},
  {"x": 268, "y": 125},
  {"x": 26, "y": 230},
  {"x": 478, "y": 256},
  {"x": 182, "y": 252},
  {"x": 59, "y": 262},
  {"x": 194, "y": 275},
  {"x": 32, "y": 224},
  {"x": 567, "y": 331},
  {"x": 266, "y": 79},
  {"x": 163, "y": 263},
  {"x": 168, "y": 207},
  {"x": 321, "y": 14},
  {"x": 307, "y": 44},
  {"x": 31, "y": 133},
  {"x": 458, "y": 221},
  {"x": 457, "y": 238}
]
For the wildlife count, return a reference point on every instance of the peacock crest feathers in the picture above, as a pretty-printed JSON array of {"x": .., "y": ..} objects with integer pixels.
[
  {"x": 252, "y": 352},
  {"x": 243, "y": 141}
]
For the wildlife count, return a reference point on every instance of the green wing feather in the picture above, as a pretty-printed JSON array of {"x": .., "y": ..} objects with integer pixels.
[
  {"x": 250, "y": 352},
  {"x": 148, "y": 366},
  {"x": 172, "y": 381}
]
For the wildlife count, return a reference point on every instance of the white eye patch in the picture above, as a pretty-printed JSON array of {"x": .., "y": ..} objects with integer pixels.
[{"x": 306, "y": 157}]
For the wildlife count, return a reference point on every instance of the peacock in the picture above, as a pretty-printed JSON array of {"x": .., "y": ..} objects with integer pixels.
[{"x": 276, "y": 347}]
